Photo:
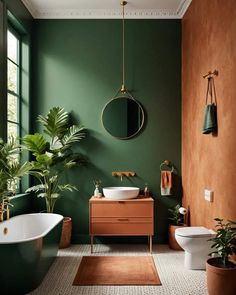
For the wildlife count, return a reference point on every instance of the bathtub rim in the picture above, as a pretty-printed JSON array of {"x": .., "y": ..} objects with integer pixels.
[{"x": 60, "y": 218}]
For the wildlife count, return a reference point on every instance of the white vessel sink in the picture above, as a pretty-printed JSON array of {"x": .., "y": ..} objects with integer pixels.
[{"x": 120, "y": 192}]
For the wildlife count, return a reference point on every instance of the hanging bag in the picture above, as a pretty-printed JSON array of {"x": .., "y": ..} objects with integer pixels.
[{"x": 210, "y": 118}]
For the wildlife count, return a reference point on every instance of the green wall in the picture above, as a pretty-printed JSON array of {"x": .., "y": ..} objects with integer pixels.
[{"x": 77, "y": 65}]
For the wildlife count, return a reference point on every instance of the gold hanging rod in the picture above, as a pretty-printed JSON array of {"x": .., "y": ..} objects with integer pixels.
[
  {"x": 214, "y": 73},
  {"x": 123, "y": 87}
]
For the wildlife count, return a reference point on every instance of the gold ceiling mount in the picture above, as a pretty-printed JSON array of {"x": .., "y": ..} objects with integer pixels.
[{"x": 123, "y": 87}]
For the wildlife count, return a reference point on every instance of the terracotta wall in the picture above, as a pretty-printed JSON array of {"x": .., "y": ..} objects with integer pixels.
[{"x": 208, "y": 43}]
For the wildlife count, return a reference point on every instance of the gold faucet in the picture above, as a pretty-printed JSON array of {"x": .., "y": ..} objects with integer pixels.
[{"x": 121, "y": 174}]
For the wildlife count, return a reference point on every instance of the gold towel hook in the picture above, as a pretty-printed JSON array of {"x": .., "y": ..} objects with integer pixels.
[{"x": 210, "y": 74}]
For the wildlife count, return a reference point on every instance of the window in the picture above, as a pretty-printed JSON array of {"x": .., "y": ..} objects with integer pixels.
[
  {"x": 13, "y": 88},
  {"x": 13, "y": 93}
]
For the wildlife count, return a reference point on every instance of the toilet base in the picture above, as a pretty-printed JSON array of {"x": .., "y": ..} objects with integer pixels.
[{"x": 195, "y": 260}]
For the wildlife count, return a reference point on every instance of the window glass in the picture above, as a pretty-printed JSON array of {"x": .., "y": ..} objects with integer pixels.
[
  {"x": 12, "y": 71},
  {"x": 13, "y": 76},
  {"x": 12, "y": 130},
  {"x": 12, "y": 48},
  {"x": 12, "y": 108}
]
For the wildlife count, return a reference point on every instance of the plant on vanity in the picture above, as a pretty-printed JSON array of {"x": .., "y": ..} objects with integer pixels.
[
  {"x": 53, "y": 156},
  {"x": 177, "y": 220},
  {"x": 221, "y": 272},
  {"x": 11, "y": 170},
  {"x": 97, "y": 184}
]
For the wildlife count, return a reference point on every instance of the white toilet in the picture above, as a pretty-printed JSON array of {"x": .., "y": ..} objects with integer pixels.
[{"x": 194, "y": 241}]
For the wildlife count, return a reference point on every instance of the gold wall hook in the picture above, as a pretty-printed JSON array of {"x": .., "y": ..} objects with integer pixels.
[{"x": 210, "y": 74}]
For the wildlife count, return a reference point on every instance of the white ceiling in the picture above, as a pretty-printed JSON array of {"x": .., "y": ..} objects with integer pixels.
[{"x": 106, "y": 9}]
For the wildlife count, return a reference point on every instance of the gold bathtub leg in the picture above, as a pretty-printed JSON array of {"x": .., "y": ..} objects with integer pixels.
[
  {"x": 150, "y": 244},
  {"x": 91, "y": 244},
  {"x": 8, "y": 213}
]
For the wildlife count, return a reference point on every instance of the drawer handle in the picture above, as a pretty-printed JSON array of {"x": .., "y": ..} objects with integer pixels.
[
  {"x": 121, "y": 202},
  {"x": 123, "y": 219}
]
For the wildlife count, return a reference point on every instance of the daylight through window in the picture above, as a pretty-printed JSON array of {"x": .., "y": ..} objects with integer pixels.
[{"x": 13, "y": 88}]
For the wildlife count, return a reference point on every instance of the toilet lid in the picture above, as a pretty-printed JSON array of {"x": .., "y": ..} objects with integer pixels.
[{"x": 193, "y": 232}]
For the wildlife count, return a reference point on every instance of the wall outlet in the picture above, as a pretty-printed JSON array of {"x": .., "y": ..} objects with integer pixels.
[{"x": 208, "y": 195}]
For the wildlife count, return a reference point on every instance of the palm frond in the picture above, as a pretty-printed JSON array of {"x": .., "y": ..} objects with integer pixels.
[
  {"x": 36, "y": 188},
  {"x": 37, "y": 174},
  {"x": 56, "y": 121},
  {"x": 74, "y": 134},
  {"x": 67, "y": 187},
  {"x": 17, "y": 170},
  {"x": 9, "y": 149}
]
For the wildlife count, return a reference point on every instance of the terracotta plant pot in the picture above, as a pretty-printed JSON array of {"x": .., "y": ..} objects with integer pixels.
[
  {"x": 66, "y": 233},
  {"x": 172, "y": 241},
  {"x": 220, "y": 280}
]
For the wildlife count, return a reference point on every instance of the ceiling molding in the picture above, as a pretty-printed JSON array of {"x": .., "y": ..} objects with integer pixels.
[
  {"x": 108, "y": 13},
  {"x": 30, "y": 7},
  {"x": 183, "y": 6}
]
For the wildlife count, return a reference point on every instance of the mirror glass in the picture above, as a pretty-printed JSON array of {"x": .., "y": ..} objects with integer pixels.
[{"x": 123, "y": 117}]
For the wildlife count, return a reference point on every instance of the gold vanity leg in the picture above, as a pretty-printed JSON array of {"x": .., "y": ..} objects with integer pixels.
[
  {"x": 150, "y": 244},
  {"x": 91, "y": 244}
]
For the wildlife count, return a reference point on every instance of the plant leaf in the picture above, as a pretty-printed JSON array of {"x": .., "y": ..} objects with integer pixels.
[
  {"x": 35, "y": 143},
  {"x": 36, "y": 188},
  {"x": 74, "y": 134},
  {"x": 56, "y": 121},
  {"x": 55, "y": 195},
  {"x": 67, "y": 187},
  {"x": 44, "y": 159}
]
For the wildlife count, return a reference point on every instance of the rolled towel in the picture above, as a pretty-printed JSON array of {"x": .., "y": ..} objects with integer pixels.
[
  {"x": 210, "y": 120},
  {"x": 166, "y": 182},
  {"x": 210, "y": 115}
]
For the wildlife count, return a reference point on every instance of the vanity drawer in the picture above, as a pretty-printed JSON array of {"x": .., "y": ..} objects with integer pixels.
[
  {"x": 122, "y": 209},
  {"x": 121, "y": 220},
  {"x": 121, "y": 228}
]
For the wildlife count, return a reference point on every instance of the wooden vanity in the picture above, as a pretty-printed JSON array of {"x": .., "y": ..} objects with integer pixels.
[{"x": 132, "y": 217}]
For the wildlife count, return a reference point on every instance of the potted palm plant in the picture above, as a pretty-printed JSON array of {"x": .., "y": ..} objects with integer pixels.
[
  {"x": 11, "y": 170},
  {"x": 221, "y": 272},
  {"x": 52, "y": 154},
  {"x": 177, "y": 220}
]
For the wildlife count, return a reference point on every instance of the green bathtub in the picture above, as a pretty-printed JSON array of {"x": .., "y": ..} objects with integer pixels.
[{"x": 28, "y": 246}]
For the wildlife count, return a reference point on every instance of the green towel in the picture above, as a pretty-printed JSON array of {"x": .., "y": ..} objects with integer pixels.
[{"x": 210, "y": 119}]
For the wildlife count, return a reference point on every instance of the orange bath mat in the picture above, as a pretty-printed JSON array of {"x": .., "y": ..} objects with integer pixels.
[{"x": 117, "y": 270}]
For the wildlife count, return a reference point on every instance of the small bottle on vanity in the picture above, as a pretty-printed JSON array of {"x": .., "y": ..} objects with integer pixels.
[
  {"x": 146, "y": 190},
  {"x": 96, "y": 191}
]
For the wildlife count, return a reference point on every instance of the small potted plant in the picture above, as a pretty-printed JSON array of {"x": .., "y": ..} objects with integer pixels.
[
  {"x": 177, "y": 220},
  {"x": 221, "y": 272},
  {"x": 97, "y": 184}
]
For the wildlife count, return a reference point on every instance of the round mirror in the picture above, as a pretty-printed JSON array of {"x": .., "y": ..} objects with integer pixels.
[{"x": 123, "y": 117}]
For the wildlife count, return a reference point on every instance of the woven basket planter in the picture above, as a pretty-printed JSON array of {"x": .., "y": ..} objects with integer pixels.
[
  {"x": 66, "y": 233},
  {"x": 172, "y": 241}
]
